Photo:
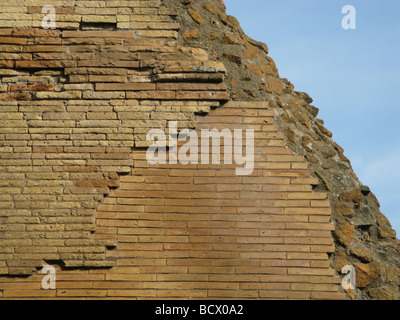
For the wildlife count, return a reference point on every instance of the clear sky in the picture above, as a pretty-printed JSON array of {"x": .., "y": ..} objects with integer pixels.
[{"x": 352, "y": 75}]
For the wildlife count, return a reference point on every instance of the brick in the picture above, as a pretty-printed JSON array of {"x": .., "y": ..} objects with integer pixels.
[
  {"x": 99, "y": 19},
  {"x": 11, "y": 40},
  {"x": 328, "y": 296},
  {"x": 95, "y": 78},
  {"x": 81, "y": 293},
  {"x": 311, "y": 271},
  {"x": 103, "y": 95},
  {"x": 32, "y": 87},
  {"x": 284, "y": 295},
  {"x": 125, "y": 87},
  {"x": 152, "y": 95},
  {"x": 44, "y": 48},
  {"x": 44, "y": 64},
  {"x": 191, "y": 86},
  {"x": 58, "y": 11},
  {"x": 59, "y": 95},
  {"x": 17, "y": 96},
  {"x": 308, "y": 211},
  {"x": 26, "y": 293}
]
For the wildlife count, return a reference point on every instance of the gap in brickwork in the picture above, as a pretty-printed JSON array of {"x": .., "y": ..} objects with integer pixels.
[
  {"x": 94, "y": 26},
  {"x": 60, "y": 263}
]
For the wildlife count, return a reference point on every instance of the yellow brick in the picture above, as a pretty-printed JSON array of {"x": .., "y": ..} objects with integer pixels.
[
  {"x": 28, "y": 293},
  {"x": 99, "y": 19}
]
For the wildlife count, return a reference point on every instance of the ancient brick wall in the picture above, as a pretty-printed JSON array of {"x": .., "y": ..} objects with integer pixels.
[
  {"x": 201, "y": 231},
  {"x": 77, "y": 192},
  {"x": 74, "y": 104}
]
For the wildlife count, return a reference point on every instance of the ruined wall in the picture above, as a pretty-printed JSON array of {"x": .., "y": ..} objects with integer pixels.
[
  {"x": 200, "y": 231},
  {"x": 76, "y": 191},
  {"x": 74, "y": 104},
  {"x": 363, "y": 235}
]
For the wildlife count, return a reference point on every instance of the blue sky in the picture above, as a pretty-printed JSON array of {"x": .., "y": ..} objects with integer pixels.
[{"x": 352, "y": 75}]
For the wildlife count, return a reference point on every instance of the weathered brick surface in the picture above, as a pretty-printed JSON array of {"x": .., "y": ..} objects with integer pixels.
[
  {"x": 76, "y": 190},
  {"x": 200, "y": 231},
  {"x": 72, "y": 106}
]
